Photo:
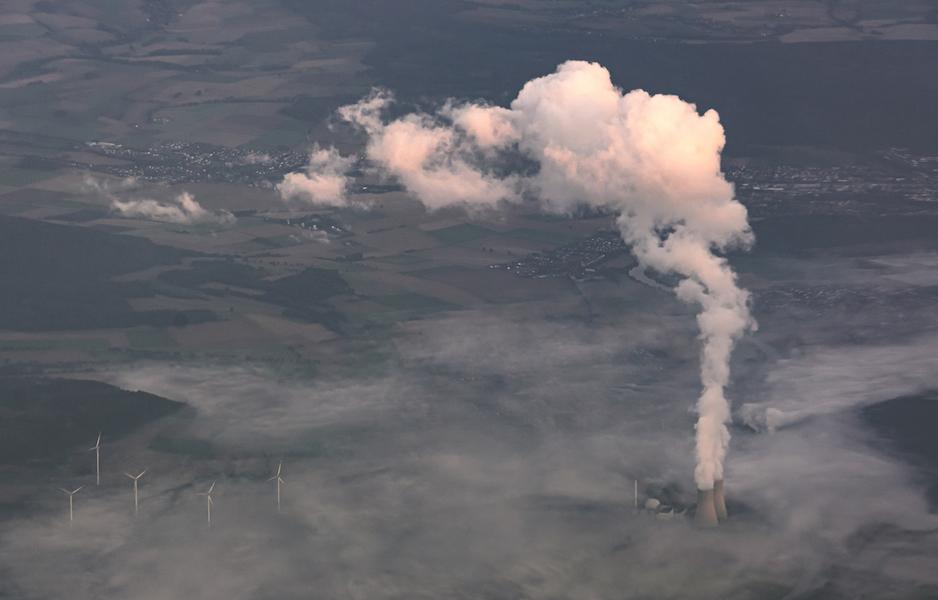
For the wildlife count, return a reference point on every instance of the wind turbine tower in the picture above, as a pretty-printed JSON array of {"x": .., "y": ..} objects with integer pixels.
[
  {"x": 97, "y": 459},
  {"x": 135, "y": 479},
  {"x": 71, "y": 494},
  {"x": 208, "y": 502},
  {"x": 280, "y": 482}
]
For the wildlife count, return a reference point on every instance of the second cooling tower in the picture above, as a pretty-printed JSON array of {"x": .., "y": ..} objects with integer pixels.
[
  {"x": 706, "y": 509},
  {"x": 719, "y": 500}
]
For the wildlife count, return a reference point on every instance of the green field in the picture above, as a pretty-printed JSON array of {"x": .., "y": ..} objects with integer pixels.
[
  {"x": 458, "y": 234},
  {"x": 16, "y": 177},
  {"x": 149, "y": 337},
  {"x": 402, "y": 259},
  {"x": 414, "y": 302},
  {"x": 82, "y": 344},
  {"x": 542, "y": 236}
]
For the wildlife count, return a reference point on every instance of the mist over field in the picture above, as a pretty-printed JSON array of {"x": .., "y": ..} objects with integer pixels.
[{"x": 459, "y": 473}]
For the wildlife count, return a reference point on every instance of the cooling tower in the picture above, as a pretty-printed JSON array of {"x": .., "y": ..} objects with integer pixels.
[
  {"x": 719, "y": 501},
  {"x": 706, "y": 510}
]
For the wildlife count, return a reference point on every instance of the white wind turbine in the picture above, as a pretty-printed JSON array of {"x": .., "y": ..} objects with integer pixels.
[
  {"x": 97, "y": 459},
  {"x": 71, "y": 494},
  {"x": 208, "y": 502},
  {"x": 280, "y": 482},
  {"x": 135, "y": 478}
]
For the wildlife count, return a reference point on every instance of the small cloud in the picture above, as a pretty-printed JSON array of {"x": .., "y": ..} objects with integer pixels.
[
  {"x": 317, "y": 235},
  {"x": 257, "y": 158},
  {"x": 108, "y": 187},
  {"x": 324, "y": 181},
  {"x": 183, "y": 209}
]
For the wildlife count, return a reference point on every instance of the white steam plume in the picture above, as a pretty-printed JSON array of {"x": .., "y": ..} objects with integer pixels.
[
  {"x": 650, "y": 158},
  {"x": 324, "y": 182},
  {"x": 433, "y": 159}
]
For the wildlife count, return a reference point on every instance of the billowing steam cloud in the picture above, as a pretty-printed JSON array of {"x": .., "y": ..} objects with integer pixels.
[
  {"x": 579, "y": 140},
  {"x": 324, "y": 182}
]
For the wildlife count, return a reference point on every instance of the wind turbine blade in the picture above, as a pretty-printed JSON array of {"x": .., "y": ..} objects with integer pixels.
[
  {"x": 129, "y": 475},
  {"x": 78, "y": 488},
  {"x": 271, "y": 478},
  {"x": 141, "y": 473},
  {"x": 211, "y": 488},
  {"x": 65, "y": 491},
  {"x": 279, "y": 469},
  {"x": 282, "y": 482}
]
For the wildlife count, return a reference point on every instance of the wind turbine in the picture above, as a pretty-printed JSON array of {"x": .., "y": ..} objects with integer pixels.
[
  {"x": 97, "y": 459},
  {"x": 71, "y": 494},
  {"x": 208, "y": 502},
  {"x": 280, "y": 481},
  {"x": 135, "y": 478}
]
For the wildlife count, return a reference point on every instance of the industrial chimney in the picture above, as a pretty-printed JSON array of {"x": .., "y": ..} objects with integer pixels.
[
  {"x": 719, "y": 501},
  {"x": 706, "y": 510}
]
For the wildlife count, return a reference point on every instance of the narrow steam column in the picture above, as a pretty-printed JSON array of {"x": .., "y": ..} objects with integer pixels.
[
  {"x": 719, "y": 501},
  {"x": 706, "y": 509}
]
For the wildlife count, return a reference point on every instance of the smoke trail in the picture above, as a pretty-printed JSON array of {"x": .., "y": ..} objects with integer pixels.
[{"x": 651, "y": 158}]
